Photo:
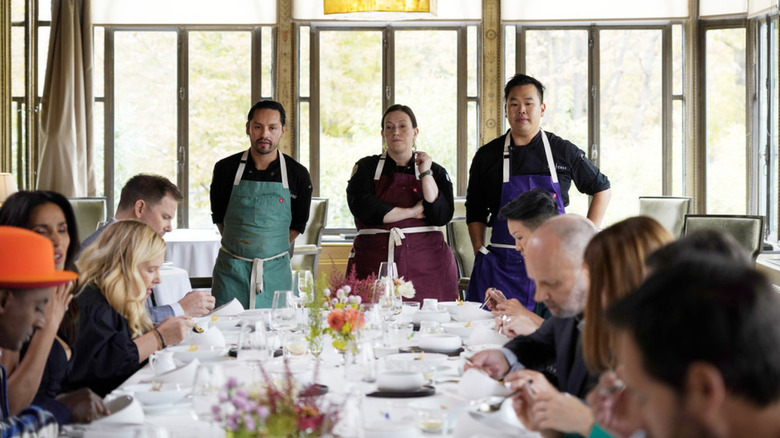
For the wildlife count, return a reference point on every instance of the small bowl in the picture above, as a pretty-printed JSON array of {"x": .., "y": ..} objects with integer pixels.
[
  {"x": 168, "y": 393},
  {"x": 462, "y": 329},
  {"x": 124, "y": 409},
  {"x": 212, "y": 337},
  {"x": 226, "y": 323},
  {"x": 400, "y": 380},
  {"x": 450, "y": 406},
  {"x": 440, "y": 316},
  {"x": 473, "y": 313},
  {"x": 455, "y": 307},
  {"x": 475, "y": 384},
  {"x": 188, "y": 353},
  {"x": 415, "y": 361},
  {"x": 444, "y": 343}
]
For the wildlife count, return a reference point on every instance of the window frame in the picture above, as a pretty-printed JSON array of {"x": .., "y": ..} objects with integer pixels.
[
  {"x": 182, "y": 105},
  {"x": 464, "y": 99}
]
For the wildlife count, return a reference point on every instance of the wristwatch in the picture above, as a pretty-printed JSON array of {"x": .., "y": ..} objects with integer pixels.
[{"x": 426, "y": 173}]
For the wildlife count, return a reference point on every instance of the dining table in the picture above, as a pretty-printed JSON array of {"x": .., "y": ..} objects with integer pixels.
[
  {"x": 365, "y": 410},
  {"x": 193, "y": 249}
]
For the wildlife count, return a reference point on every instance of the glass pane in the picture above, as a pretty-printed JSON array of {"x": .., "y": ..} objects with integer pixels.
[
  {"x": 678, "y": 80},
  {"x": 17, "y": 10},
  {"x": 220, "y": 72},
  {"x": 631, "y": 139},
  {"x": 760, "y": 136},
  {"x": 267, "y": 63},
  {"x": 43, "y": 54},
  {"x": 510, "y": 52},
  {"x": 430, "y": 57},
  {"x": 725, "y": 118},
  {"x": 17, "y": 61},
  {"x": 303, "y": 62},
  {"x": 99, "y": 144},
  {"x": 473, "y": 61},
  {"x": 678, "y": 149},
  {"x": 18, "y": 162},
  {"x": 98, "y": 67},
  {"x": 350, "y": 111},
  {"x": 559, "y": 59},
  {"x": 473, "y": 118},
  {"x": 304, "y": 139},
  {"x": 44, "y": 10},
  {"x": 145, "y": 105}
]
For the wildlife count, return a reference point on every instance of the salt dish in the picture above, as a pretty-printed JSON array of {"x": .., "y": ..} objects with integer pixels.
[
  {"x": 441, "y": 343},
  {"x": 475, "y": 384},
  {"x": 400, "y": 380}
]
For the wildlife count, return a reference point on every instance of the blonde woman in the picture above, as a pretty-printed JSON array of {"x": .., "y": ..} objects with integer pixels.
[{"x": 116, "y": 334}]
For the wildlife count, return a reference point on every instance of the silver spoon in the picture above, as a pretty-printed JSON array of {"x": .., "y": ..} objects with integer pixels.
[{"x": 487, "y": 408}]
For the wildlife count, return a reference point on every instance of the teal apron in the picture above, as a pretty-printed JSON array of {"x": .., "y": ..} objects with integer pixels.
[{"x": 254, "y": 260}]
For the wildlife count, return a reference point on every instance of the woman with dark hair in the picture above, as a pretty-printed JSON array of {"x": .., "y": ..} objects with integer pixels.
[
  {"x": 37, "y": 372},
  {"x": 400, "y": 199}
]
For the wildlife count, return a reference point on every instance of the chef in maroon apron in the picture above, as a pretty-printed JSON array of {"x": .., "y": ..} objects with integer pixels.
[{"x": 399, "y": 200}]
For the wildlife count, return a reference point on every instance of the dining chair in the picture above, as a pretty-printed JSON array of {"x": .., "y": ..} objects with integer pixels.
[
  {"x": 460, "y": 242},
  {"x": 748, "y": 230},
  {"x": 669, "y": 211},
  {"x": 90, "y": 214},
  {"x": 308, "y": 245}
]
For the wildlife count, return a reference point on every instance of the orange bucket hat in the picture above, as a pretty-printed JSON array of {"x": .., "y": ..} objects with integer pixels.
[{"x": 27, "y": 261}]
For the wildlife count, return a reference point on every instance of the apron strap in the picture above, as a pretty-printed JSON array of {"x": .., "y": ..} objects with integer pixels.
[
  {"x": 396, "y": 237},
  {"x": 379, "y": 166},
  {"x": 256, "y": 284},
  {"x": 283, "y": 168},
  {"x": 547, "y": 154},
  {"x": 241, "y": 166}
]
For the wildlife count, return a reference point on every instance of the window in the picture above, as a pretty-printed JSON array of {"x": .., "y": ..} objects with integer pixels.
[
  {"x": 605, "y": 93},
  {"x": 765, "y": 139},
  {"x": 348, "y": 76},
  {"x": 176, "y": 100}
]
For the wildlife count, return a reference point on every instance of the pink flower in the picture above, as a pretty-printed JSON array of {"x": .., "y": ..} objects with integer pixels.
[{"x": 336, "y": 319}]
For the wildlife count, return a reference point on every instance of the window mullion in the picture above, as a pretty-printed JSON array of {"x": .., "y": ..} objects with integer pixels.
[{"x": 182, "y": 106}]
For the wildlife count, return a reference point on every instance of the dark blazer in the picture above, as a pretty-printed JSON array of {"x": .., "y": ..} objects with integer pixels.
[{"x": 556, "y": 343}]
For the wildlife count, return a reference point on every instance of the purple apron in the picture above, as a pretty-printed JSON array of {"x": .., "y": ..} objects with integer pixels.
[
  {"x": 501, "y": 265},
  {"x": 418, "y": 249}
]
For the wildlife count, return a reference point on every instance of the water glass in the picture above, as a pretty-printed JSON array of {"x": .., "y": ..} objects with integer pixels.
[
  {"x": 387, "y": 270},
  {"x": 295, "y": 344},
  {"x": 303, "y": 282},
  {"x": 209, "y": 382},
  {"x": 253, "y": 342},
  {"x": 283, "y": 311}
]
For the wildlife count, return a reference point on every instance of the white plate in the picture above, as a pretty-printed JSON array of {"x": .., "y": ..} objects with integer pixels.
[
  {"x": 181, "y": 406},
  {"x": 203, "y": 354},
  {"x": 458, "y": 328},
  {"x": 415, "y": 361},
  {"x": 167, "y": 394}
]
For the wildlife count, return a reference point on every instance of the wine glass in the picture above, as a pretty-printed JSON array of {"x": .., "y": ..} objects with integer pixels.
[
  {"x": 383, "y": 296},
  {"x": 283, "y": 311},
  {"x": 387, "y": 270},
  {"x": 253, "y": 342},
  {"x": 295, "y": 344},
  {"x": 303, "y": 282},
  {"x": 209, "y": 381}
]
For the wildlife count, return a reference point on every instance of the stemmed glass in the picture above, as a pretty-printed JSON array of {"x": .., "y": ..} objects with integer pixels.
[
  {"x": 254, "y": 343},
  {"x": 209, "y": 381},
  {"x": 384, "y": 298}
]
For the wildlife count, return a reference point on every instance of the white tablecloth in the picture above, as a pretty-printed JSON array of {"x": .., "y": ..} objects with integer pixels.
[
  {"x": 194, "y": 250},
  {"x": 175, "y": 283}
]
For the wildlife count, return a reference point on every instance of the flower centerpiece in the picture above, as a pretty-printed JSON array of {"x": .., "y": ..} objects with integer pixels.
[
  {"x": 274, "y": 409},
  {"x": 345, "y": 318}
]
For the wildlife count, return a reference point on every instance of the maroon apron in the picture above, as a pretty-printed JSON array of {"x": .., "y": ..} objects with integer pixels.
[{"x": 419, "y": 252}]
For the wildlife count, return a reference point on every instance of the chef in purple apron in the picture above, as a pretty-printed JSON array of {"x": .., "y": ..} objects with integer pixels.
[
  {"x": 400, "y": 199},
  {"x": 523, "y": 159}
]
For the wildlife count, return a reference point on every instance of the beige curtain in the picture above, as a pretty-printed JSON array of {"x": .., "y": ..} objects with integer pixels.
[{"x": 67, "y": 149}]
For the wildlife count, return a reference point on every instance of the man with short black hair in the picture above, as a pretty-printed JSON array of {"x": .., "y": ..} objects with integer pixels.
[
  {"x": 153, "y": 199},
  {"x": 526, "y": 157},
  {"x": 709, "y": 364},
  {"x": 260, "y": 202}
]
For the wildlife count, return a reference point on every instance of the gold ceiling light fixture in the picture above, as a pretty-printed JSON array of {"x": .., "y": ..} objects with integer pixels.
[{"x": 351, "y": 6}]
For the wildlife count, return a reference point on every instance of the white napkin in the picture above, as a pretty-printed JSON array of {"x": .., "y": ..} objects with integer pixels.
[
  {"x": 212, "y": 337},
  {"x": 184, "y": 374},
  {"x": 483, "y": 335},
  {"x": 231, "y": 308},
  {"x": 471, "y": 313},
  {"x": 475, "y": 385}
]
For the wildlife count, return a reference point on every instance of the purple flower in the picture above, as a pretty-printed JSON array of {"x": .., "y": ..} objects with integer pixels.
[
  {"x": 223, "y": 398},
  {"x": 242, "y": 393},
  {"x": 249, "y": 422},
  {"x": 358, "y": 299},
  {"x": 232, "y": 383},
  {"x": 240, "y": 404},
  {"x": 326, "y": 292},
  {"x": 216, "y": 409},
  {"x": 262, "y": 411},
  {"x": 231, "y": 423},
  {"x": 347, "y": 288}
]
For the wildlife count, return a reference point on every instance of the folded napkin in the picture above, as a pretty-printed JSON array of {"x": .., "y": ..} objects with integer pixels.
[
  {"x": 231, "y": 308},
  {"x": 184, "y": 374},
  {"x": 471, "y": 313},
  {"x": 483, "y": 335},
  {"x": 212, "y": 337},
  {"x": 475, "y": 385}
]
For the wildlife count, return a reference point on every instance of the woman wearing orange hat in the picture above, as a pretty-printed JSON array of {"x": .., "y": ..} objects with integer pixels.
[{"x": 116, "y": 335}]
